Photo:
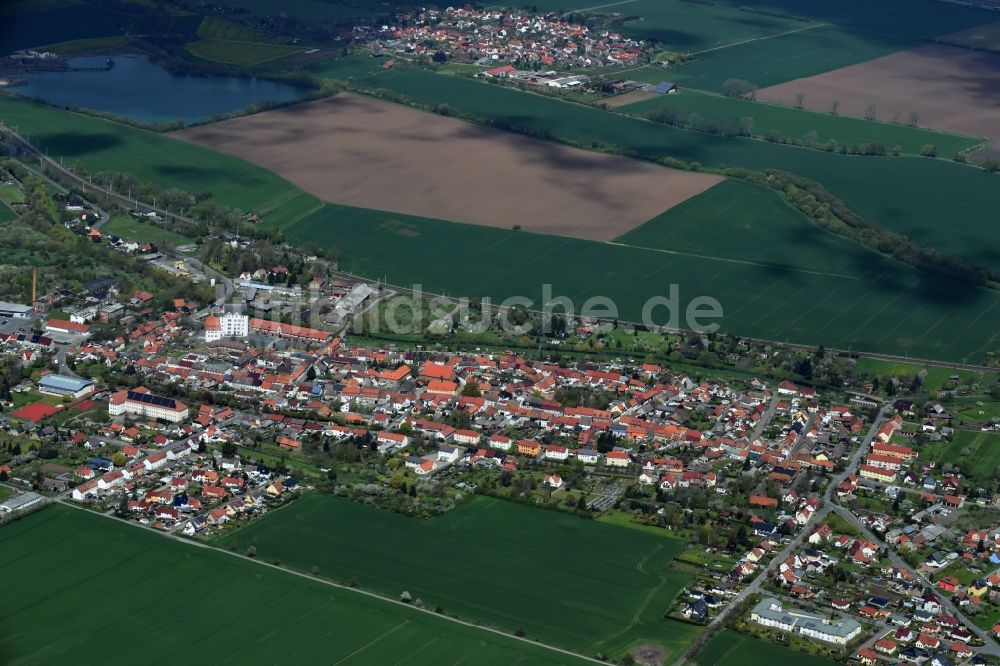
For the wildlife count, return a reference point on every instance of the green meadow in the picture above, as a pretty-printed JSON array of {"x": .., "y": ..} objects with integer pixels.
[
  {"x": 85, "y": 583},
  {"x": 143, "y": 232},
  {"x": 728, "y": 648},
  {"x": 102, "y": 145},
  {"x": 795, "y": 123},
  {"x": 549, "y": 574}
]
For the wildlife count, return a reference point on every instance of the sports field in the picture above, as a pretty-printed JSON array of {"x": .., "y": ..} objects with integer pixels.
[
  {"x": 506, "y": 565},
  {"x": 358, "y": 151},
  {"x": 85, "y": 583},
  {"x": 792, "y": 123},
  {"x": 932, "y": 81},
  {"x": 103, "y": 145},
  {"x": 728, "y": 648}
]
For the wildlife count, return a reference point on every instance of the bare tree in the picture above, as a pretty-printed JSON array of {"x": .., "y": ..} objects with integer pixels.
[
  {"x": 835, "y": 106},
  {"x": 895, "y": 117},
  {"x": 800, "y": 99},
  {"x": 914, "y": 118},
  {"x": 872, "y": 112}
]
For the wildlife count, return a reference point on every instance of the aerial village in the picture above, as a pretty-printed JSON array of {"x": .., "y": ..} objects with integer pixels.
[
  {"x": 491, "y": 36},
  {"x": 821, "y": 518}
]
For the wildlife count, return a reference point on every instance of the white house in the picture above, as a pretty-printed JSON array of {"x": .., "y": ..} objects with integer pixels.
[
  {"x": 501, "y": 442},
  {"x": 556, "y": 452},
  {"x": 449, "y": 454},
  {"x": 229, "y": 325}
]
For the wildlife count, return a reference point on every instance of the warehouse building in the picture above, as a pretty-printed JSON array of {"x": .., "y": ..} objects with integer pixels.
[{"x": 16, "y": 310}]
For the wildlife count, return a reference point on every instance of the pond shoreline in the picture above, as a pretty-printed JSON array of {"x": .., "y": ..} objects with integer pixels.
[{"x": 142, "y": 90}]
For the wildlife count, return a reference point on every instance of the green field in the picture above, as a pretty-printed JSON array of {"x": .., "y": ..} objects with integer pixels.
[
  {"x": 11, "y": 194},
  {"x": 741, "y": 221},
  {"x": 104, "y": 145},
  {"x": 984, "y": 37},
  {"x": 94, "y": 44},
  {"x": 143, "y": 232},
  {"x": 892, "y": 308},
  {"x": 794, "y": 123},
  {"x": 936, "y": 377},
  {"x": 235, "y": 44},
  {"x": 242, "y": 54},
  {"x": 318, "y": 10},
  {"x": 502, "y": 564},
  {"x": 977, "y": 452},
  {"x": 906, "y": 199},
  {"x": 728, "y": 648},
  {"x": 973, "y": 409},
  {"x": 6, "y": 214},
  {"x": 80, "y": 575}
]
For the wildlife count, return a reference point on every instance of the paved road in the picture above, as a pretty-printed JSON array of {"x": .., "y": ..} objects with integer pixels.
[
  {"x": 792, "y": 546},
  {"x": 766, "y": 417},
  {"x": 990, "y": 646}
]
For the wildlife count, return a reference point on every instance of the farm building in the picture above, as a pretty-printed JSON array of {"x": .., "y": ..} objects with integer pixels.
[
  {"x": 65, "y": 386},
  {"x": 664, "y": 88}
]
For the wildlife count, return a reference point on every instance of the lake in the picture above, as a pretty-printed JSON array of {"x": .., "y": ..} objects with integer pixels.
[{"x": 142, "y": 90}]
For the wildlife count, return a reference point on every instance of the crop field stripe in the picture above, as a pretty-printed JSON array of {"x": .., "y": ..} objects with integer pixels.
[
  {"x": 373, "y": 642},
  {"x": 790, "y": 326},
  {"x": 610, "y": 4},
  {"x": 760, "y": 39},
  {"x": 759, "y": 264}
]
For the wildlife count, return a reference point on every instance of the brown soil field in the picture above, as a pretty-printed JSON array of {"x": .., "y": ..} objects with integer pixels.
[
  {"x": 628, "y": 98},
  {"x": 363, "y": 152},
  {"x": 952, "y": 89}
]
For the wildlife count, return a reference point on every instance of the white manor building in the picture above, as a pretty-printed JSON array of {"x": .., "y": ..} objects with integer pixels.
[
  {"x": 229, "y": 325},
  {"x": 769, "y": 613}
]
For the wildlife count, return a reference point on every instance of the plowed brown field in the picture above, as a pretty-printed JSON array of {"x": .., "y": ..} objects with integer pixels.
[{"x": 358, "y": 151}]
